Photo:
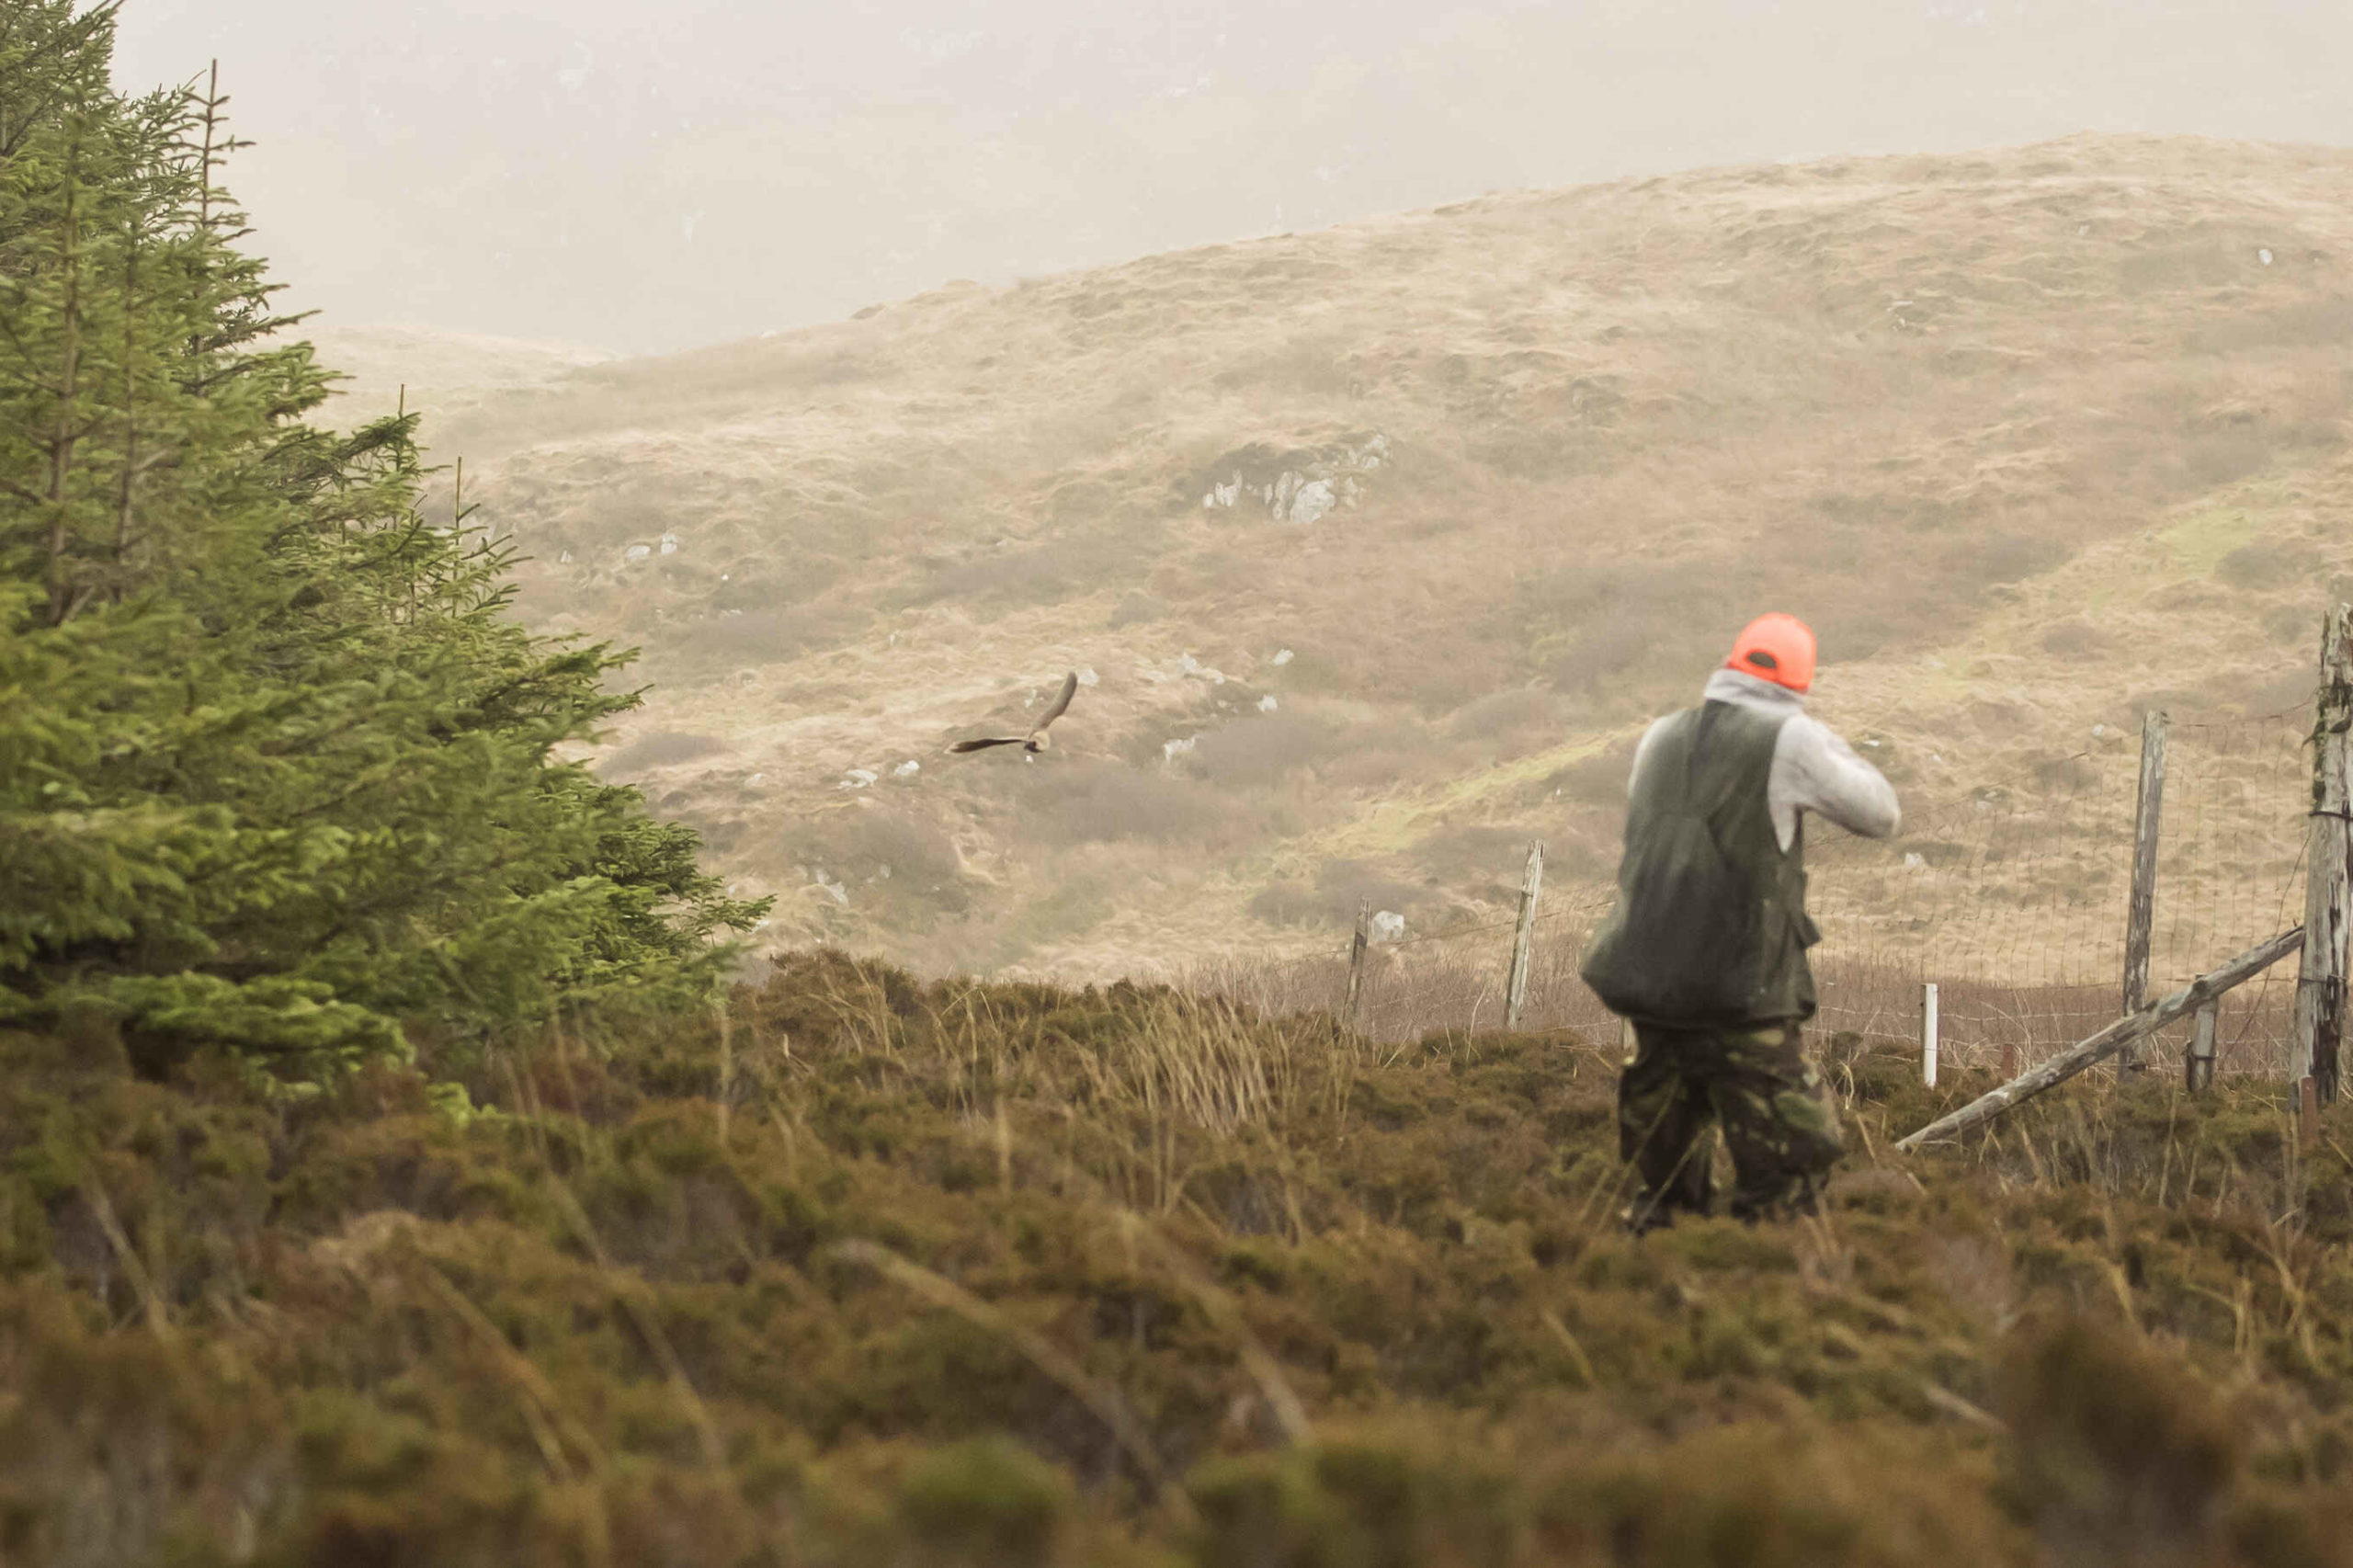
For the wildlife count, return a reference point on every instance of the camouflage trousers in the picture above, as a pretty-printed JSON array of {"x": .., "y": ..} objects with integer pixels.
[{"x": 1756, "y": 1083}]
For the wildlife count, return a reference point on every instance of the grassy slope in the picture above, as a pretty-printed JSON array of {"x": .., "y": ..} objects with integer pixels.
[
  {"x": 2035, "y": 438},
  {"x": 998, "y": 1274},
  {"x": 439, "y": 374}
]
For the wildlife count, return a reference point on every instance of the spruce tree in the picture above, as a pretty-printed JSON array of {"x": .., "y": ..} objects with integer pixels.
[{"x": 278, "y": 771}]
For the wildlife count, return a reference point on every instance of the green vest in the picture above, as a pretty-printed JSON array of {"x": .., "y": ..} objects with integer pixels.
[{"x": 1709, "y": 927}]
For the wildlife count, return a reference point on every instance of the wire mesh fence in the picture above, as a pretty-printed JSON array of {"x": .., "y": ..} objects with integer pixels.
[{"x": 2012, "y": 901}]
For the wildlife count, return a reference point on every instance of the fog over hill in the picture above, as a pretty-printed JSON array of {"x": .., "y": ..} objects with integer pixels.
[
  {"x": 1376, "y": 546},
  {"x": 647, "y": 177}
]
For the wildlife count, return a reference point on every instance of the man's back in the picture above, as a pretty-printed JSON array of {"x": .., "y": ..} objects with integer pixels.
[
  {"x": 1709, "y": 926},
  {"x": 1706, "y": 948}
]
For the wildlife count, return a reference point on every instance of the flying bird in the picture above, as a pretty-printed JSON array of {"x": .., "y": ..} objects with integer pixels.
[{"x": 1036, "y": 740}]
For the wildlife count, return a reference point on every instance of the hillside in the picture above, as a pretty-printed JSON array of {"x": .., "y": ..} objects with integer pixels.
[
  {"x": 1376, "y": 546},
  {"x": 434, "y": 374}
]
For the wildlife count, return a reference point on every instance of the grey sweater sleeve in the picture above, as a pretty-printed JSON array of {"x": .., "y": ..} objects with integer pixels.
[{"x": 1816, "y": 770}]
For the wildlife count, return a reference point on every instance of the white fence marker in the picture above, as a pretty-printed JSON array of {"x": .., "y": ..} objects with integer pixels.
[{"x": 1928, "y": 1034}]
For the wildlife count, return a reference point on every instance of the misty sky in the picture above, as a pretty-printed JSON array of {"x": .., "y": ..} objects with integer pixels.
[{"x": 640, "y": 175}]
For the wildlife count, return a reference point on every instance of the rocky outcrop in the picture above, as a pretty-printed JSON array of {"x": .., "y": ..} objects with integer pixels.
[{"x": 1299, "y": 485}]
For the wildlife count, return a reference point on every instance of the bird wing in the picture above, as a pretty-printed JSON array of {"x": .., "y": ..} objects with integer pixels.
[
  {"x": 961, "y": 746},
  {"x": 1061, "y": 700}
]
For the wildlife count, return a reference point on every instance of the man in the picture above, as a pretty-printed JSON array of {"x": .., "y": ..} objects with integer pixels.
[{"x": 1706, "y": 949}]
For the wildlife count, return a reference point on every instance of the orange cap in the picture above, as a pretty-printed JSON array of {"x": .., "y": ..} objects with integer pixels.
[{"x": 1776, "y": 647}]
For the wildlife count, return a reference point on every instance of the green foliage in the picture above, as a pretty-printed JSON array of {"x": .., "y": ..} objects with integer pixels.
[
  {"x": 598, "y": 1310},
  {"x": 987, "y": 1503},
  {"x": 276, "y": 772}
]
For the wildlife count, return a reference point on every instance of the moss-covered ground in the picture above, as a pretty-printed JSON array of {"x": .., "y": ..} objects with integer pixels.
[{"x": 874, "y": 1271}]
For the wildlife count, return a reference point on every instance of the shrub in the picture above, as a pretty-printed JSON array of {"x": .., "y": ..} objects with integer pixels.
[
  {"x": 2269, "y": 563},
  {"x": 773, "y": 636},
  {"x": 1079, "y": 799},
  {"x": 2075, "y": 640},
  {"x": 665, "y": 748},
  {"x": 1251, "y": 752},
  {"x": 1504, "y": 715}
]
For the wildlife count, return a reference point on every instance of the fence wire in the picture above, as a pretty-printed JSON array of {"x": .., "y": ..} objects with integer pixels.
[{"x": 2012, "y": 901}]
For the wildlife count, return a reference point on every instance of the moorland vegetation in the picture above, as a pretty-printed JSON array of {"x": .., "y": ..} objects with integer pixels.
[
  {"x": 387, "y": 1177},
  {"x": 869, "y": 1270}
]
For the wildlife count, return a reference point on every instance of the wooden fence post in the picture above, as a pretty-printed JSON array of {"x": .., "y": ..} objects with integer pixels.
[
  {"x": 2198, "y": 1067},
  {"x": 1523, "y": 942},
  {"x": 2148, "y": 815},
  {"x": 2319, "y": 981},
  {"x": 1928, "y": 1033},
  {"x": 1355, "y": 965},
  {"x": 2096, "y": 1049}
]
